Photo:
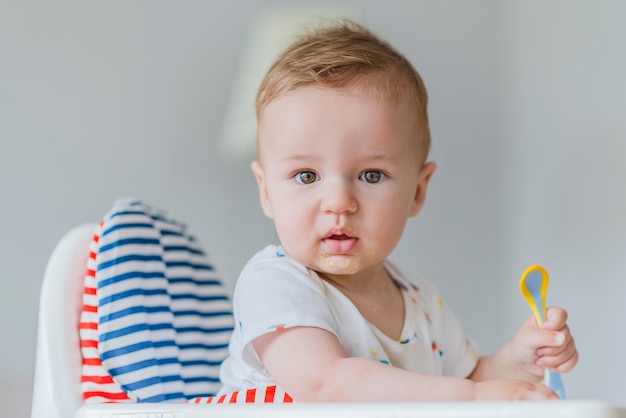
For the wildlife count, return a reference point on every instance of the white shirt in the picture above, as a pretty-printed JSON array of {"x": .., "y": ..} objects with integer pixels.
[{"x": 275, "y": 292}]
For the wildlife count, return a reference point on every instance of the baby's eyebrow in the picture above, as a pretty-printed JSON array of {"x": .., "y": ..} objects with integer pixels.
[
  {"x": 373, "y": 158},
  {"x": 298, "y": 157},
  {"x": 379, "y": 157}
]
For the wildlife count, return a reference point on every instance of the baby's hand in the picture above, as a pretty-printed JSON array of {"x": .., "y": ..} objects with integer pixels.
[
  {"x": 513, "y": 390},
  {"x": 551, "y": 346}
]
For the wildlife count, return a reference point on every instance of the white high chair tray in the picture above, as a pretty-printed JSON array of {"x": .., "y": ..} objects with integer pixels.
[{"x": 564, "y": 409}]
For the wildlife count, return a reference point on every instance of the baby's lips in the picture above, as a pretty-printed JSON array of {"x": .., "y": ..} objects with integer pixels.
[
  {"x": 340, "y": 237},
  {"x": 340, "y": 244}
]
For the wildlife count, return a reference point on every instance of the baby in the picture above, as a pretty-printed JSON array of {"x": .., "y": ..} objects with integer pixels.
[{"x": 343, "y": 140}]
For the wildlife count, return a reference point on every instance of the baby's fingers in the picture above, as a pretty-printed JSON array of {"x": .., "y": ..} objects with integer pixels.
[
  {"x": 556, "y": 318},
  {"x": 552, "y": 347},
  {"x": 545, "y": 339},
  {"x": 561, "y": 362}
]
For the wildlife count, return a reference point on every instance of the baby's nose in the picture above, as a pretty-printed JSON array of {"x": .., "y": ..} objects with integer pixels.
[{"x": 338, "y": 198}]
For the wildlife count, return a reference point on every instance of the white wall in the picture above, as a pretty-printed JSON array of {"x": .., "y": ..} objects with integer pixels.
[{"x": 100, "y": 100}]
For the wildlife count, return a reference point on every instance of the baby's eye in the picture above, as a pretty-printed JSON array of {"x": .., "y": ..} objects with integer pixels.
[
  {"x": 372, "y": 176},
  {"x": 306, "y": 177}
]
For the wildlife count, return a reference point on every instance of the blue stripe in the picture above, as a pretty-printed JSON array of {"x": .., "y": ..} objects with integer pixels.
[
  {"x": 130, "y": 275},
  {"x": 130, "y": 257},
  {"x": 106, "y": 336},
  {"x": 200, "y": 379},
  {"x": 128, "y": 212},
  {"x": 203, "y": 346},
  {"x": 129, "y": 368},
  {"x": 132, "y": 311},
  {"x": 159, "y": 309},
  {"x": 163, "y": 398},
  {"x": 195, "y": 266},
  {"x": 204, "y": 330},
  {"x": 129, "y": 241},
  {"x": 130, "y": 293},
  {"x": 185, "y": 248},
  {"x": 125, "y": 350},
  {"x": 167, "y": 232},
  {"x": 198, "y": 395},
  {"x": 124, "y": 331},
  {"x": 200, "y": 363},
  {"x": 197, "y": 297},
  {"x": 202, "y": 314},
  {"x": 153, "y": 381},
  {"x": 143, "y": 213},
  {"x": 198, "y": 282},
  {"x": 128, "y": 225},
  {"x": 136, "y": 347}
]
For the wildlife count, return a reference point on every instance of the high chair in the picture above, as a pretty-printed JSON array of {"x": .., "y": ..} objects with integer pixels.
[{"x": 57, "y": 391}]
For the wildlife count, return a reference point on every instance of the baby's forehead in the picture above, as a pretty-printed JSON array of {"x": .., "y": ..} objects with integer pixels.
[
  {"x": 310, "y": 116},
  {"x": 371, "y": 87},
  {"x": 355, "y": 99}
]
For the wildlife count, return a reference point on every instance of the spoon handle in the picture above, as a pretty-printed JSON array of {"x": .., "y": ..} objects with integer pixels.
[{"x": 553, "y": 381}]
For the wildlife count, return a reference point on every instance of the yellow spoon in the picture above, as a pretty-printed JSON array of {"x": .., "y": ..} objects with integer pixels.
[{"x": 534, "y": 286}]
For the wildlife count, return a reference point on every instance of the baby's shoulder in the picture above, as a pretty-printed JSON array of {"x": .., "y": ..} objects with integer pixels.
[
  {"x": 273, "y": 258},
  {"x": 271, "y": 266}
]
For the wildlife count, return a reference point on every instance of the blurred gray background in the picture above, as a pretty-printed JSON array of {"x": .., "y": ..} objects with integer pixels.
[{"x": 102, "y": 100}]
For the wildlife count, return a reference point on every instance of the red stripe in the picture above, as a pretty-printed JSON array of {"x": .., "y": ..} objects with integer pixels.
[
  {"x": 221, "y": 399},
  {"x": 92, "y": 255},
  {"x": 250, "y": 395},
  {"x": 270, "y": 391},
  {"x": 89, "y": 344},
  {"x": 287, "y": 398},
  {"x": 117, "y": 396},
  {"x": 90, "y": 308},
  {"x": 95, "y": 238},
  {"x": 197, "y": 400},
  {"x": 233, "y": 397},
  {"x": 101, "y": 380},
  {"x": 92, "y": 362},
  {"x": 90, "y": 290},
  {"x": 91, "y": 273},
  {"x": 88, "y": 325}
]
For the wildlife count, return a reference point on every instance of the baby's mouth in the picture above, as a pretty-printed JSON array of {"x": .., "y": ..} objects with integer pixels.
[
  {"x": 339, "y": 237},
  {"x": 340, "y": 243}
]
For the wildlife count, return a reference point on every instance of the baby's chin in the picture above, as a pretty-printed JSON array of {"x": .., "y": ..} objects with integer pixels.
[{"x": 339, "y": 264}]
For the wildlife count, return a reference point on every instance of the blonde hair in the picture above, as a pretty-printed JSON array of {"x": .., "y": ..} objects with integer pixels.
[{"x": 342, "y": 56}]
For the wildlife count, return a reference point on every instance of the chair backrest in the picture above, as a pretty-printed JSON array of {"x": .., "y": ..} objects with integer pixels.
[
  {"x": 156, "y": 317},
  {"x": 130, "y": 307},
  {"x": 56, "y": 390}
]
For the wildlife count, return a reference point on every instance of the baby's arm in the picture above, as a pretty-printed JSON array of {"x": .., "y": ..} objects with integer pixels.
[
  {"x": 311, "y": 365},
  {"x": 531, "y": 350}
]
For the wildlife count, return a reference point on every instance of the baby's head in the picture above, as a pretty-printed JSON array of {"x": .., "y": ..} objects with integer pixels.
[
  {"x": 343, "y": 138},
  {"x": 344, "y": 56}
]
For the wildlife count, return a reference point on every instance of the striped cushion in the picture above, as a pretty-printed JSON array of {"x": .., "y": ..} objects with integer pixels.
[{"x": 156, "y": 318}]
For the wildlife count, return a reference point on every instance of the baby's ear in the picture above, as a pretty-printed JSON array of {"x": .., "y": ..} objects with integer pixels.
[
  {"x": 259, "y": 174},
  {"x": 425, "y": 175}
]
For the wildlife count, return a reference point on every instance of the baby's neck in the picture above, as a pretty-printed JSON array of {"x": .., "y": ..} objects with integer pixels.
[{"x": 378, "y": 298}]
